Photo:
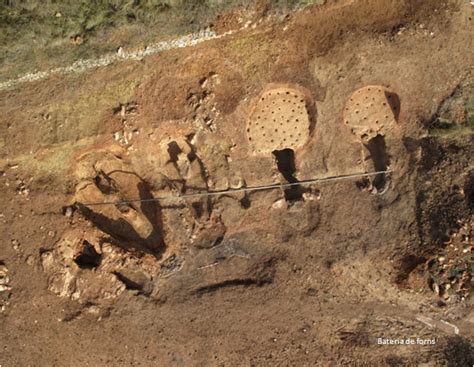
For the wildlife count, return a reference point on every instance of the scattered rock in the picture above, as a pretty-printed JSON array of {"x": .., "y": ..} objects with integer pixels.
[
  {"x": 280, "y": 204},
  {"x": 5, "y": 287},
  {"x": 15, "y": 245},
  {"x": 135, "y": 280}
]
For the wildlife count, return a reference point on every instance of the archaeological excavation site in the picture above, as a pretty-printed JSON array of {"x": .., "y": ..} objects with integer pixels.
[{"x": 240, "y": 183}]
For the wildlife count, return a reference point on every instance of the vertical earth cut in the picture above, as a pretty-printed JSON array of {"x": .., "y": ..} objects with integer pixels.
[
  {"x": 280, "y": 123},
  {"x": 372, "y": 114}
]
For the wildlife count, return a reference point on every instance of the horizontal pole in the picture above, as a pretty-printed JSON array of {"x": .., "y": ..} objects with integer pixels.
[{"x": 243, "y": 189}]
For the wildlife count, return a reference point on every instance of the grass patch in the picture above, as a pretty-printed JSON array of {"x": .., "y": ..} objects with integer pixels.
[
  {"x": 38, "y": 35},
  {"x": 455, "y": 115},
  {"x": 455, "y": 131}
]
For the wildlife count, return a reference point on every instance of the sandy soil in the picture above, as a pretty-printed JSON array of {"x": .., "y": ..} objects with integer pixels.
[{"x": 304, "y": 276}]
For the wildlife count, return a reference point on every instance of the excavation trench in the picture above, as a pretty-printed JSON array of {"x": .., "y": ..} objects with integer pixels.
[
  {"x": 377, "y": 150},
  {"x": 286, "y": 165}
]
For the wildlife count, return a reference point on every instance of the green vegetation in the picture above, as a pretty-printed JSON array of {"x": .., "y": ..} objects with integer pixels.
[
  {"x": 452, "y": 132},
  {"x": 42, "y": 34},
  {"x": 455, "y": 116},
  {"x": 57, "y": 19},
  {"x": 37, "y": 35}
]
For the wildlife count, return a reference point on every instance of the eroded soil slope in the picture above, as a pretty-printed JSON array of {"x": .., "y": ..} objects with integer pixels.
[{"x": 111, "y": 257}]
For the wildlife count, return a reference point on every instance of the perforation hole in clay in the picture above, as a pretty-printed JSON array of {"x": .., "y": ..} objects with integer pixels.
[
  {"x": 371, "y": 111},
  {"x": 277, "y": 112}
]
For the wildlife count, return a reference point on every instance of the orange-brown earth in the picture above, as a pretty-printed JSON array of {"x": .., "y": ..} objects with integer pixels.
[{"x": 309, "y": 275}]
